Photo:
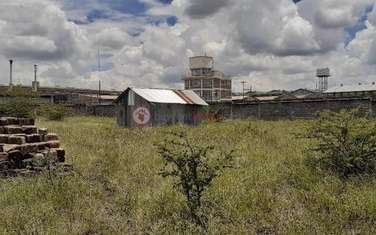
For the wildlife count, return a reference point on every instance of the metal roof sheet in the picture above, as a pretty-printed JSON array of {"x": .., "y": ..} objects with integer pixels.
[
  {"x": 169, "y": 96},
  {"x": 266, "y": 98},
  {"x": 193, "y": 97},
  {"x": 352, "y": 88},
  {"x": 159, "y": 96}
]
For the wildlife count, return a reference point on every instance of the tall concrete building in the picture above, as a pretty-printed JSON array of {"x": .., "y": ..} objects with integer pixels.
[{"x": 209, "y": 84}]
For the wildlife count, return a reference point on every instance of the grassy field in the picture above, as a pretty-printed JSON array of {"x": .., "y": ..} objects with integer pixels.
[{"x": 116, "y": 188}]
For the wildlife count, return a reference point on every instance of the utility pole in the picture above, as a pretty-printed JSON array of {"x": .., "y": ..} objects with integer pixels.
[
  {"x": 100, "y": 89},
  {"x": 10, "y": 74},
  {"x": 243, "y": 83},
  {"x": 35, "y": 84},
  {"x": 99, "y": 70}
]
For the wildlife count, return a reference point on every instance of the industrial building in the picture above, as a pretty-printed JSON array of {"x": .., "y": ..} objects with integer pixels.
[
  {"x": 359, "y": 90},
  {"x": 154, "y": 107},
  {"x": 209, "y": 84}
]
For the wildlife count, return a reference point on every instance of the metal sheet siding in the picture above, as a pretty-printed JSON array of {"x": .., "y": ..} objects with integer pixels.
[{"x": 194, "y": 97}]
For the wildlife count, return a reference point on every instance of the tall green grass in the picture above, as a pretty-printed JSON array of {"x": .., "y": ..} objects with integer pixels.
[{"x": 116, "y": 188}]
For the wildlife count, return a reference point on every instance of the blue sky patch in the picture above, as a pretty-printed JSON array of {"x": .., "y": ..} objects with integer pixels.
[
  {"x": 97, "y": 14},
  {"x": 133, "y": 7},
  {"x": 359, "y": 26},
  {"x": 165, "y": 1},
  {"x": 172, "y": 20}
]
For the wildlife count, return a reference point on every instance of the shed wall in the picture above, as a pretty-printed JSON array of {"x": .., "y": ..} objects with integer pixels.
[{"x": 160, "y": 113}]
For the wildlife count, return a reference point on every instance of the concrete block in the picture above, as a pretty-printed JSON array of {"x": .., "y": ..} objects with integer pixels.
[
  {"x": 60, "y": 155},
  {"x": 16, "y": 157},
  {"x": 3, "y": 156},
  {"x": 3, "y": 121},
  {"x": 52, "y": 137},
  {"x": 53, "y": 144},
  {"x": 30, "y": 130},
  {"x": 43, "y": 131},
  {"x": 26, "y": 121},
  {"x": 9, "y": 121},
  {"x": 42, "y": 146},
  {"x": 13, "y": 139},
  {"x": 13, "y": 129},
  {"x": 34, "y": 138},
  {"x": 28, "y": 148},
  {"x": 10, "y": 147},
  {"x": 4, "y": 139}
]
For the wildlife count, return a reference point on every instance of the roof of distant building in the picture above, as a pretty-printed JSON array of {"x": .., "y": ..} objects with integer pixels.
[{"x": 352, "y": 88}]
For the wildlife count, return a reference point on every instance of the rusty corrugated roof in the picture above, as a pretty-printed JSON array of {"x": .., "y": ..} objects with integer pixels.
[{"x": 167, "y": 96}]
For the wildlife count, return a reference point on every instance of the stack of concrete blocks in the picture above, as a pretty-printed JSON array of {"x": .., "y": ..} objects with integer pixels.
[{"x": 26, "y": 149}]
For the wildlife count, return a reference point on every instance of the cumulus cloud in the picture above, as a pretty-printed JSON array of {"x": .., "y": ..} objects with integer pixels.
[{"x": 272, "y": 44}]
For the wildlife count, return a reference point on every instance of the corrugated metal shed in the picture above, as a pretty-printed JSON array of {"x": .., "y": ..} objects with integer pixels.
[
  {"x": 166, "y": 96},
  {"x": 352, "y": 88}
]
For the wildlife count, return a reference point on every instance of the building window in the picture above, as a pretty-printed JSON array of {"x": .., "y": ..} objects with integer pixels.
[
  {"x": 196, "y": 83},
  {"x": 196, "y": 72},
  {"x": 207, "y": 95},
  {"x": 208, "y": 83},
  {"x": 217, "y": 83},
  {"x": 200, "y": 72}
]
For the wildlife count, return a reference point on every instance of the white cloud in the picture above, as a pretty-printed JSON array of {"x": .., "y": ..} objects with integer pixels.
[{"x": 271, "y": 43}]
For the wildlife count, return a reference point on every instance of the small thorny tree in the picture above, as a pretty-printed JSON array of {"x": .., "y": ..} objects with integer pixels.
[
  {"x": 194, "y": 167},
  {"x": 344, "y": 143}
]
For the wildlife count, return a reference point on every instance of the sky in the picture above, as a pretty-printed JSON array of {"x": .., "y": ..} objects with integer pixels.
[{"x": 270, "y": 44}]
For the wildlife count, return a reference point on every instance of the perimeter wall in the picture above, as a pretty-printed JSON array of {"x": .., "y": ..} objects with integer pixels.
[{"x": 294, "y": 109}]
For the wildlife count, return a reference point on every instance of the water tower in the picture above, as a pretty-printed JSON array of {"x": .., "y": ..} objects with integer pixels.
[{"x": 323, "y": 77}]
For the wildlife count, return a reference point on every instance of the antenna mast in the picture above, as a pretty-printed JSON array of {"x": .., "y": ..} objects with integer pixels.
[
  {"x": 10, "y": 74},
  {"x": 99, "y": 70}
]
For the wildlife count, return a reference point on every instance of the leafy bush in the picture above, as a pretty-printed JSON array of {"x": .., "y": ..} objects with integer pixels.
[
  {"x": 18, "y": 107},
  {"x": 193, "y": 168},
  {"x": 344, "y": 143},
  {"x": 19, "y": 91},
  {"x": 54, "y": 112}
]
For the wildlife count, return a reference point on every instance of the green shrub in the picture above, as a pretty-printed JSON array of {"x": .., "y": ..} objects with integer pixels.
[
  {"x": 19, "y": 91},
  {"x": 54, "y": 112},
  {"x": 18, "y": 107},
  {"x": 344, "y": 143},
  {"x": 193, "y": 168}
]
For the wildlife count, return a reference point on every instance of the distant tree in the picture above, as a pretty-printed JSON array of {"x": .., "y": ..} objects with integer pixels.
[
  {"x": 344, "y": 143},
  {"x": 194, "y": 168},
  {"x": 18, "y": 107},
  {"x": 19, "y": 91},
  {"x": 54, "y": 112}
]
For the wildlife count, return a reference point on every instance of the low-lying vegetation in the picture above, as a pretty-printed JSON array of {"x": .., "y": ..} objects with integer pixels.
[
  {"x": 344, "y": 143},
  {"x": 117, "y": 187},
  {"x": 23, "y": 102}
]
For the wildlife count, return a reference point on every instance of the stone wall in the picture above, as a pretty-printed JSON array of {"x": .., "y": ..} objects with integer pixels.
[
  {"x": 103, "y": 110},
  {"x": 294, "y": 109}
]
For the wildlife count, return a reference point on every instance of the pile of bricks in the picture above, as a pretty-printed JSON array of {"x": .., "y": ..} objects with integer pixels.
[{"x": 26, "y": 149}]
